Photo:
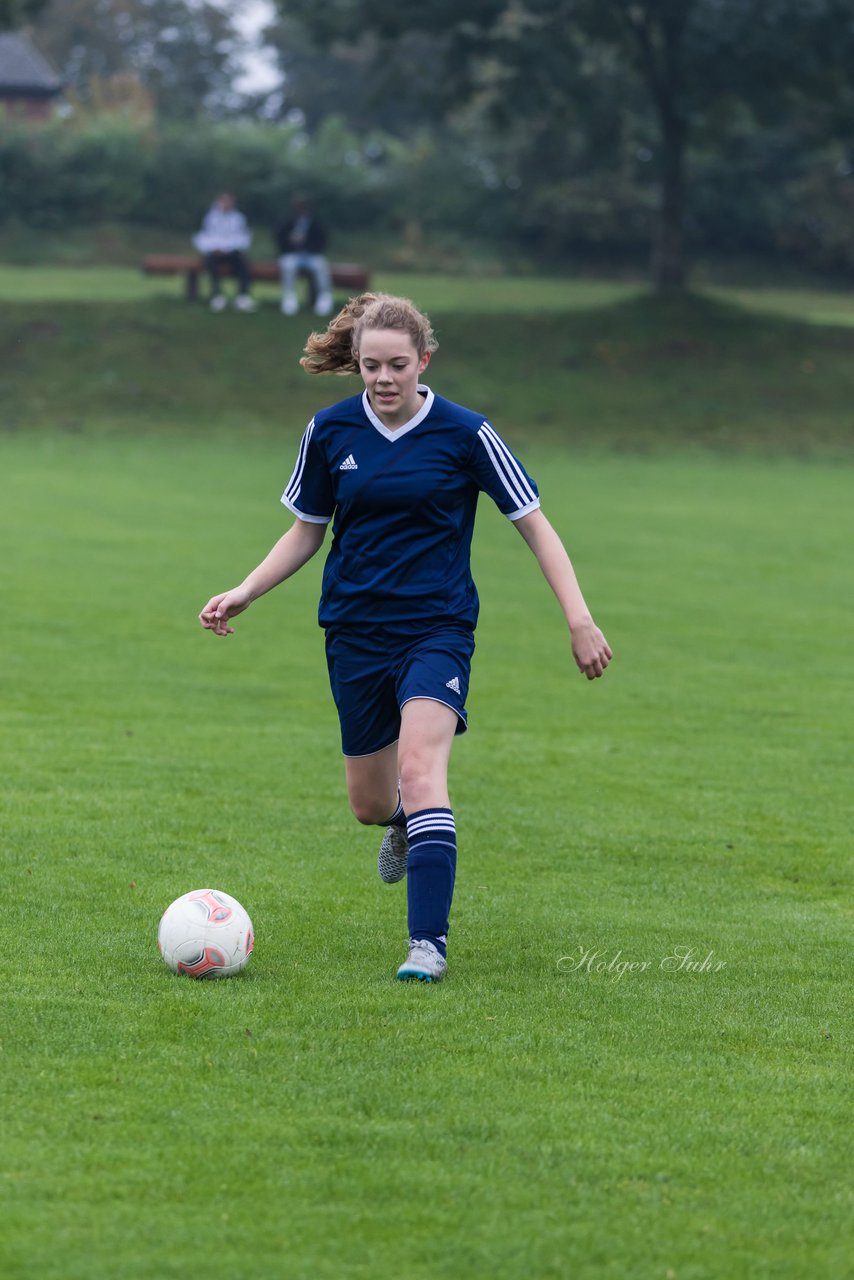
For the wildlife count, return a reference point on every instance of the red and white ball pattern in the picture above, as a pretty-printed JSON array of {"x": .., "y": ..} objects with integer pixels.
[{"x": 205, "y": 934}]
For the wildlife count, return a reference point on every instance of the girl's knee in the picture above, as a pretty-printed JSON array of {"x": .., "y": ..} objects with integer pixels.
[
  {"x": 422, "y": 787},
  {"x": 368, "y": 811},
  {"x": 372, "y": 787},
  {"x": 412, "y": 777}
]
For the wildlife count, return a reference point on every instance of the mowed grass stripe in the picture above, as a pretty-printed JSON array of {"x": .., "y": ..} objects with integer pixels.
[
  {"x": 472, "y": 294},
  {"x": 508, "y": 294}
]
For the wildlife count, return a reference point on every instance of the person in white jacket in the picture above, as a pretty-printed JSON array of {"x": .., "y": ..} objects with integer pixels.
[{"x": 223, "y": 240}]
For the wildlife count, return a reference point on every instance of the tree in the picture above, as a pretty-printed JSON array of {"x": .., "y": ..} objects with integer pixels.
[
  {"x": 183, "y": 53},
  {"x": 17, "y": 13},
  {"x": 701, "y": 60},
  {"x": 687, "y": 64},
  {"x": 352, "y": 77}
]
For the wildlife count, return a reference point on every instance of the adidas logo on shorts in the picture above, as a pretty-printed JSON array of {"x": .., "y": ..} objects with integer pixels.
[
  {"x": 453, "y": 684},
  {"x": 349, "y": 464}
]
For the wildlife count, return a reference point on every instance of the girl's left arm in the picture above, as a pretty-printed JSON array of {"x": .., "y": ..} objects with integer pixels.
[{"x": 589, "y": 647}]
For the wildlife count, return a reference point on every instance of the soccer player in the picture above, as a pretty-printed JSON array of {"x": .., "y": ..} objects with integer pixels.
[{"x": 400, "y": 470}]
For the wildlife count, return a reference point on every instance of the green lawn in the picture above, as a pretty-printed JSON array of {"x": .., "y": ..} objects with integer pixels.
[
  {"x": 474, "y": 294},
  {"x": 530, "y": 1117},
  {"x": 638, "y": 373},
  {"x": 507, "y": 294},
  {"x": 818, "y": 306},
  {"x": 546, "y": 1112}
]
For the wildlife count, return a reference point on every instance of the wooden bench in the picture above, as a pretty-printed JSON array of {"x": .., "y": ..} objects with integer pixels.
[{"x": 345, "y": 275}]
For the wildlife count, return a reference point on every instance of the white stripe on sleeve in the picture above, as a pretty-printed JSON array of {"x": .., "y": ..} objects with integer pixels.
[
  {"x": 302, "y": 515},
  {"x": 294, "y": 485},
  {"x": 523, "y": 511},
  {"x": 501, "y": 472},
  {"x": 510, "y": 462}
]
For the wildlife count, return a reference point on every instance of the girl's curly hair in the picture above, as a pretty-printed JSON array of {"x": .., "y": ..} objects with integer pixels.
[{"x": 337, "y": 350}]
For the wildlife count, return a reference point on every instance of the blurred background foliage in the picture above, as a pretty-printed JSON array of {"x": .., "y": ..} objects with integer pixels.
[{"x": 549, "y": 130}]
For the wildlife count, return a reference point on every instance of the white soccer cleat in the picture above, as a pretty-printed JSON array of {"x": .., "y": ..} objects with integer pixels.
[
  {"x": 324, "y": 304},
  {"x": 423, "y": 963},
  {"x": 393, "y": 855},
  {"x": 218, "y": 302},
  {"x": 244, "y": 303},
  {"x": 290, "y": 304}
]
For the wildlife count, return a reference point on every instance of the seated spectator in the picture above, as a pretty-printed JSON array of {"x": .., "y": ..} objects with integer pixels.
[
  {"x": 302, "y": 241},
  {"x": 223, "y": 240}
]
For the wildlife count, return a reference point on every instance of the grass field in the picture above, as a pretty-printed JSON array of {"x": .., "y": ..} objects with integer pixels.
[
  {"x": 507, "y": 294},
  {"x": 536, "y": 1115},
  {"x": 623, "y": 371}
]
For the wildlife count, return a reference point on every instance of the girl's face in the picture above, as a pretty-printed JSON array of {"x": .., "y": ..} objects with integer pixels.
[{"x": 390, "y": 367}]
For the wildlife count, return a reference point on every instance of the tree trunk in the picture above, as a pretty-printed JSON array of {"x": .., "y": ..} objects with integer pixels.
[
  {"x": 659, "y": 40},
  {"x": 668, "y": 246}
]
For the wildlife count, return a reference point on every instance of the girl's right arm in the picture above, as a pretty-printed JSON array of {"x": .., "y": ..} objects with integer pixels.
[{"x": 290, "y": 553}]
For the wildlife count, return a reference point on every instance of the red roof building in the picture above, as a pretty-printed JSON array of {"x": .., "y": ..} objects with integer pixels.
[{"x": 28, "y": 84}]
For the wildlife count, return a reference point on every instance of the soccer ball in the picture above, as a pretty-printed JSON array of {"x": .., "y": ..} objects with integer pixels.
[{"x": 205, "y": 934}]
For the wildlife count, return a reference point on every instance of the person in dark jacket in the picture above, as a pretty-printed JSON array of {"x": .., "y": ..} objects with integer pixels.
[{"x": 302, "y": 242}]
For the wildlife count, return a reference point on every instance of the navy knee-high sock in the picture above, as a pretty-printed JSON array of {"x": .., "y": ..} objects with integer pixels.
[
  {"x": 398, "y": 818},
  {"x": 430, "y": 874}
]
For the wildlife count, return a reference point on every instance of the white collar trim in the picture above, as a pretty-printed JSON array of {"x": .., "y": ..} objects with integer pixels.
[{"x": 429, "y": 397}]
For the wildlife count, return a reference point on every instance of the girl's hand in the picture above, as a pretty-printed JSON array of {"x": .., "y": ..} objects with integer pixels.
[
  {"x": 216, "y": 613},
  {"x": 590, "y": 649}
]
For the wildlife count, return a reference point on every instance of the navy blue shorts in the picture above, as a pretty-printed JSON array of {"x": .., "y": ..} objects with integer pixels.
[{"x": 373, "y": 674}]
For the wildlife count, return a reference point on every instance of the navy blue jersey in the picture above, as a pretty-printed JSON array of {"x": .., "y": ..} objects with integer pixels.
[{"x": 404, "y": 505}]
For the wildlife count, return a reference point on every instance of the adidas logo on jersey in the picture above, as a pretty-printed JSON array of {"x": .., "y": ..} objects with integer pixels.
[
  {"x": 349, "y": 464},
  {"x": 453, "y": 684}
]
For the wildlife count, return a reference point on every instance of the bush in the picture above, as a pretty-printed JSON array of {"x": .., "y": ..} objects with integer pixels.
[
  {"x": 110, "y": 169},
  {"x": 757, "y": 192}
]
